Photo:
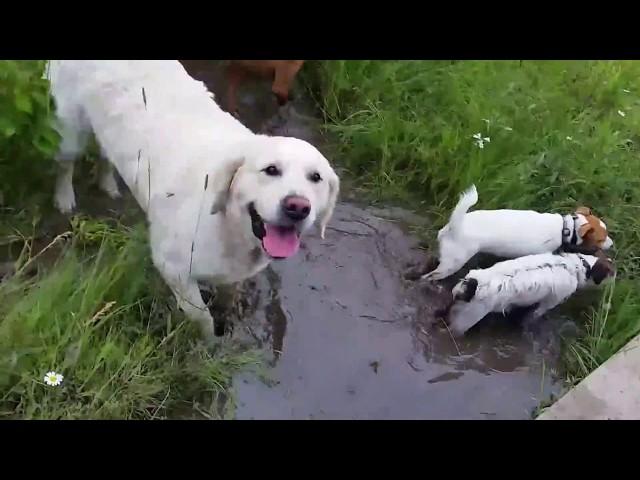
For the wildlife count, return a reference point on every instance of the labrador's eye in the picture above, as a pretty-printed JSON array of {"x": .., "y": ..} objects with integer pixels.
[
  {"x": 315, "y": 177},
  {"x": 272, "y": 171}
]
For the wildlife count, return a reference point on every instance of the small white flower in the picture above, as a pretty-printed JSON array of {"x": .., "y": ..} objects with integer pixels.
[
  {"x": 480, "y": 140},
  {"x": 53, "y": 379},
  {"x": 570, "y": 138},
  {"x": 621, "y": 113},
  {"x": 626, "y": 91}
]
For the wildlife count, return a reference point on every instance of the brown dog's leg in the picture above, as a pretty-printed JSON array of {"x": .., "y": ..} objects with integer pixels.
[
  {"x": 284, "y": 75},
  {"x": 235, "y": 76}
]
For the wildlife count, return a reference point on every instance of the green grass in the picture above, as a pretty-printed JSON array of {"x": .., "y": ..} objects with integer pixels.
[
  {"x": 91, "y": 307},
  {"x": 106, "y": 322},
  {"x": 557, "y": 140}
]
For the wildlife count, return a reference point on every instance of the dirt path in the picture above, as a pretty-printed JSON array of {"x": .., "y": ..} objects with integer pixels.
[{"x": 349, "y": 338}]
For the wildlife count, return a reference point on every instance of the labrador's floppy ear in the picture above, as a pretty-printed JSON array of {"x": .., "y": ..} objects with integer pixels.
[
  {"x": 221, "y": 185},
  {"x": 334, "y": 189}
]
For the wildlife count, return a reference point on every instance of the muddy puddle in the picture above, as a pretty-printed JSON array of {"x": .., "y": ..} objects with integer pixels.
[{"x": 349, "y": 338}]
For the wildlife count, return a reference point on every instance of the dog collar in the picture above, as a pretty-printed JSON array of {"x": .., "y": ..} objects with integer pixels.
[{"x": 569, "y": 234}]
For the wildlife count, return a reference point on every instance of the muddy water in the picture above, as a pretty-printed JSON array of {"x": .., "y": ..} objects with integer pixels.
[{"x": 349, "y": 338}]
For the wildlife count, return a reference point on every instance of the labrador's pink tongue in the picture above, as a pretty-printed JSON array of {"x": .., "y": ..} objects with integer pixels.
[{"x": 280, "y": 242}]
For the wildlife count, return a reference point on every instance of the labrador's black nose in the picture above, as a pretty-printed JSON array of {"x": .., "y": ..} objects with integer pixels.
[{"x": 296, "y": 208}]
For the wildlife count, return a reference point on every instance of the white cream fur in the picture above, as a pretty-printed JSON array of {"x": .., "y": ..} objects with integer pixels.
[
  {"x": 545, "y": 279},
  {"x": 504, "y": 233},
  {"x": 164, "y": 133}
]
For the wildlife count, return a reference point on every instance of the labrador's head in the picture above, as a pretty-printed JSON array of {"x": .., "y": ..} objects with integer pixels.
[{"x": 277, "y": 186}]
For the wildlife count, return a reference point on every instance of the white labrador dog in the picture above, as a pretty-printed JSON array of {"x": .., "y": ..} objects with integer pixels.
[
  {"x": 545, "y": 279},
  {"x": 221, "y": 202}
]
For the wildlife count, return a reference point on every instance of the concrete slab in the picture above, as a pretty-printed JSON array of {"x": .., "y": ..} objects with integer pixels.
[{"x": 612, "y": 392}]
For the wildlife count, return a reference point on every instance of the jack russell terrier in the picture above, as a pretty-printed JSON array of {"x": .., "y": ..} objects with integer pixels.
[
  {"x": 545, "y": 279},
  {"x": 513, "y": 233}
]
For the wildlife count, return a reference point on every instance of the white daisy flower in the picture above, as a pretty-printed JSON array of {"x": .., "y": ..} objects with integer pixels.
[
  {"x": 53, "y": 379},
  {"x": 621, "y": 113},
  {"x": 480, "y": 140}
]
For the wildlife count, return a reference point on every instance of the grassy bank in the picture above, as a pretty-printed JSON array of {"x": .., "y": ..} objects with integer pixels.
[
  {"x": 554, "y": 135},
  {"x": 91, "y": 307},
  {"x": 105, "y": 321}
]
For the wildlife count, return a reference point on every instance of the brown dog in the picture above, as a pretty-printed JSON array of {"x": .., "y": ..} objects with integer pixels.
[{"x": 283, "y": 73}]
